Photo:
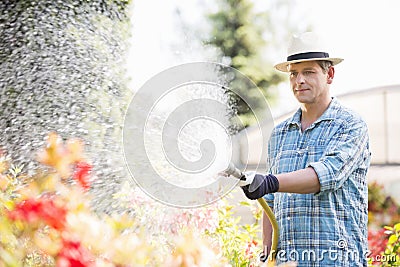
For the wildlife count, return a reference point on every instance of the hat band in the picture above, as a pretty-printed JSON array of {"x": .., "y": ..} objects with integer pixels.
[{"x": 308, "y": 55}]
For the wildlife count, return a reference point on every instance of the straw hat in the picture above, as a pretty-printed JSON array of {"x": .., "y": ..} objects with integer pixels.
[{"x": 306, "y": 47}]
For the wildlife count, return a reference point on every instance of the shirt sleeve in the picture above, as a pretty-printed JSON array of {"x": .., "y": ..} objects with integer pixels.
[{"x": 344, "y": 154}]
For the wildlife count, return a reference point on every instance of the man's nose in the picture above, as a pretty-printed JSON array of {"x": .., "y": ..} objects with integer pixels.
[{"x": 300, "y": 78}]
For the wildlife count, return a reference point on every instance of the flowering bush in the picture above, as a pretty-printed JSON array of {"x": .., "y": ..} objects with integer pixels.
[
  {"x": 239, "y": 243},
  {"x": 385, "y": 246},
  {"x": 382, "y": 209},
  {"x": 383, "y": 241},
  {"x": 377, "y": 241},
  {"x": 392, "y": 250},
  {"x": 46, "y": 220}
]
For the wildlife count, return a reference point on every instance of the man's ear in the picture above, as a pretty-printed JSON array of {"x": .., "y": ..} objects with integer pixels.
[{"x": 331, "y": 74}]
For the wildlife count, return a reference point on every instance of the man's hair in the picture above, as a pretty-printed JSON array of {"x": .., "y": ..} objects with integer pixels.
[{"x": 325, "y": 65}]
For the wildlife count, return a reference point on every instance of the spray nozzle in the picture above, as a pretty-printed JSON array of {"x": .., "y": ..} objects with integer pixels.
[{"x": 232, "y": 170}]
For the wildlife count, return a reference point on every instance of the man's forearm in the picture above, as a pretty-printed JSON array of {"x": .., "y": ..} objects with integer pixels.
[{"x": 304, "y": 181}]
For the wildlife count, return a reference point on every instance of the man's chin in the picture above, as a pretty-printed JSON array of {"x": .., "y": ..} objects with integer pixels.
[{"x": 303, "y": 100}]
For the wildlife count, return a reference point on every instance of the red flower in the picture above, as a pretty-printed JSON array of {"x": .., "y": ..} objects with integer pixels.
[
  {"x": 81, "y": 174},
  {"x": 73, "y": 254},
  {"x": 250, "y": 249},
  {"x": 377, "y": 241},
  {"x": 42, "y": 209}
]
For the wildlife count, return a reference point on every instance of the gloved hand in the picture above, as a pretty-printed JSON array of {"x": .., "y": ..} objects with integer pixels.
[{"x": 256, "y": 185}]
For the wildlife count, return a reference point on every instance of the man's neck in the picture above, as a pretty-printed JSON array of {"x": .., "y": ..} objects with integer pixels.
[{"x": 311, "y": 112}]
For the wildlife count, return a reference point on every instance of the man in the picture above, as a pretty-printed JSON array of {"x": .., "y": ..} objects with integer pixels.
[{"x": 318, "y": 160}]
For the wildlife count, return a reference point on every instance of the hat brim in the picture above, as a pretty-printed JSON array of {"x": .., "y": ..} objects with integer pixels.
[{"x": 284, "y": 65}]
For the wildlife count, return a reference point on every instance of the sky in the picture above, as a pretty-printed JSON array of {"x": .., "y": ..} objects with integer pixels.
[{"x": 364, "y": 33}]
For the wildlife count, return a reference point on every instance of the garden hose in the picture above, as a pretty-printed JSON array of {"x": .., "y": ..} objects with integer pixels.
[
  {"x": 232, "y": 170},
  {"x": 274, "y": 223}
]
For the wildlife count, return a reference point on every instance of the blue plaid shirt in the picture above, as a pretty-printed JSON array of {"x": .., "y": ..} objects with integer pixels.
[{"x": 328, "y": 228}]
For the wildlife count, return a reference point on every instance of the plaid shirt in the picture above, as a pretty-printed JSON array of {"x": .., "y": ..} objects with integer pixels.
[{"x": 328, "y": 228}]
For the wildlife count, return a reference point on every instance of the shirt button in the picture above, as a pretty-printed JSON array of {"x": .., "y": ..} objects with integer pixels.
[
  {"x": 288, "y": 218},
  {"x": 289, "y": 194},
  {"x": 289, "y": 242}
]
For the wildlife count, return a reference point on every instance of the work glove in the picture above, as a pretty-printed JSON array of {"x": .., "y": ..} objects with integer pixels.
[{"x": 256, "y": 185}]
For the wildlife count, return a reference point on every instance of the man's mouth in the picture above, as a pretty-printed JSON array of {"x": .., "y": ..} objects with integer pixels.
[{"x": 301, "y": 90}]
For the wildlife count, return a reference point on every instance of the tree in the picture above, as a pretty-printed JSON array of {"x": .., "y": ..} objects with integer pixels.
[{"x": 242, "y": 35}]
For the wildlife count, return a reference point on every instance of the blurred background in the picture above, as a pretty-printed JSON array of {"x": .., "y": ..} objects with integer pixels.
[{"x": 252, "y": 36}]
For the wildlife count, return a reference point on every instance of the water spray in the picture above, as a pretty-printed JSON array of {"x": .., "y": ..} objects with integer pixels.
[{"x": 235, "y": 172}]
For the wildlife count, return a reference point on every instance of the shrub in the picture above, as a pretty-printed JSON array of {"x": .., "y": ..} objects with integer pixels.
[
  {"x": 240, "y": 244},
  {"x": 382, "y": 209},
  {"x": 46, "y": 220}
]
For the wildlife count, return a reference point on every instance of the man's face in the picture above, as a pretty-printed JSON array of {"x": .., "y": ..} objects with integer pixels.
[{"x": 309, "y": 82}]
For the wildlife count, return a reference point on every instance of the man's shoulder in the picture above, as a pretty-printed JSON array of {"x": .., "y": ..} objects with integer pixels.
[
  {"x": 344, "y": 113},
  {"x": 294, "y": 118},
  {"x": 337, "y": 112},
  {"x": 283, "y": 124}
]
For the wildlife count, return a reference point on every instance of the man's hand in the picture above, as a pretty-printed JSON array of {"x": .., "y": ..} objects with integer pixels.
[{"x": 260, "y": 185}]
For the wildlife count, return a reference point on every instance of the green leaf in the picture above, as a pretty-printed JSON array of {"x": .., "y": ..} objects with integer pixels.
[
  {"x": 244, "y": 203},
  {"x": 392, "y": 239}
]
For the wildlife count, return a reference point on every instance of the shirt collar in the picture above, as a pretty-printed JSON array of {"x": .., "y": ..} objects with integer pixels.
[{"x": 329, "y": 114}]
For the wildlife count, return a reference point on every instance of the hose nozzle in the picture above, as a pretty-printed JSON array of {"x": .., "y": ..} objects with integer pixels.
[{"x": 232, "y": 170}]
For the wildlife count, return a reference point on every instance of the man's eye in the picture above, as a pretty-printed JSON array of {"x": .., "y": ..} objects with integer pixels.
[{"x": 293, "y": 74}]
